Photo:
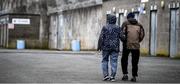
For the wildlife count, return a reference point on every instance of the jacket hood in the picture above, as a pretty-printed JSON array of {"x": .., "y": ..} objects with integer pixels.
[
  {"x": 132, "y": 21},
  {"x": 111, "y": 19}
]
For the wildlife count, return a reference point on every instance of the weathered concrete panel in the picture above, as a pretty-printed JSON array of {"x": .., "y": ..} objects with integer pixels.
[
  {"x": 53, "y": 32},
  {"x": 83, "y": 24},
  {"x": 63, "y": 5},
  {"x": 20, "y": 6}
]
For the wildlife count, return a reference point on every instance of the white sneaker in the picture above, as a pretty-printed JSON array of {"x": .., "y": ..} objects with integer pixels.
[
  {"x": 106, "y": 78},
  {"x": 112, "y": 79}
]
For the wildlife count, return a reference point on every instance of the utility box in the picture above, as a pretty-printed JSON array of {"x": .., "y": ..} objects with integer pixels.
[
  {"x": 20, "y": 44},
  {"x": 75, "y": 45}
]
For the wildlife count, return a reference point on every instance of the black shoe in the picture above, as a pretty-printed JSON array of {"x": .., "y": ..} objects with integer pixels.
[
  {"x": 133, "y": 79},
  {"x": 125, "y": 78},
  {"x": 112, "y": 79},
  {"x": 106, "y": 78}
]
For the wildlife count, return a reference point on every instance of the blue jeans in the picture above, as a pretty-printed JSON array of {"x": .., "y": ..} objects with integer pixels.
[{"x": 113, "y": 61}]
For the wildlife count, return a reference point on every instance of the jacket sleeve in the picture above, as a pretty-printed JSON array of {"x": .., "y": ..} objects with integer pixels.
[
  {"x": 142, "y": 33},
  {"x": 122, "y": 35},
  {"x": 100, "y": 41},
  {"x": 123, "y": 25},
  {"x": 122, "y": 31}
]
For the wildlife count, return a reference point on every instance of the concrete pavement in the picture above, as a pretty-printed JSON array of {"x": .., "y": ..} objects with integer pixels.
[{"x": 39, "y": 66}]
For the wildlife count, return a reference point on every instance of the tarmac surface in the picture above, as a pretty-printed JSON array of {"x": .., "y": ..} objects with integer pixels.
[{"x": 44, "y": 66}]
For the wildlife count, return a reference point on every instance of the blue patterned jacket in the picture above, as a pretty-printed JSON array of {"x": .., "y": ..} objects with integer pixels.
[{"x": 109, "y": 39}]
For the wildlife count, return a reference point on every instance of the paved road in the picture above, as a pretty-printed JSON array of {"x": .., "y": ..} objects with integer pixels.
[{"x": 53, "y": 67}]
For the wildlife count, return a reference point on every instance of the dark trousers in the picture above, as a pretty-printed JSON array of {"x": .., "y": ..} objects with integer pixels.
[{"x": 134, "y": 61}]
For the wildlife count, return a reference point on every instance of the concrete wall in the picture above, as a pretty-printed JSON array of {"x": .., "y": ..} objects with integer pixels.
[
  {"x": 82, "y": 24},
  {"x": 72, "y": 20},
  {"x": 28, "y": 32},
  {"x": 28, "y": 8},
  {"x": 77, "y": 22},
  {"x": 20, "y": 6},
  {"x": 55, "y": 6}
]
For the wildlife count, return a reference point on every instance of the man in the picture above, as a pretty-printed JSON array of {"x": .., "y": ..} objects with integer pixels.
[
  {"x": 109, "y": 44},
  {"x": 134, "y": 34}
]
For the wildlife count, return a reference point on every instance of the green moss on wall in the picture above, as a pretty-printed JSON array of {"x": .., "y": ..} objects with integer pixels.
[
  {"x": 30, "y": 44},
  {"x": 162, "y": 53},
  {"x": 144, "y": 51},
  {"x": 12, "y": 45},
  {"x": 177, "y": 56},
  {"x": 36, "y": 44},
  {"x": 45, "y": 44}
]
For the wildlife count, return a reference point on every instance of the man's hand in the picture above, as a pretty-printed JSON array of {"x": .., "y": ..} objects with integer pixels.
[
  {"x": 98, "y": 52},
  {"x": 98, "y": 49}
]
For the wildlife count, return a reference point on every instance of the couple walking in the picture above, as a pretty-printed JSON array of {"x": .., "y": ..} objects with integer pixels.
[{"x": 131, "y": 34}]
